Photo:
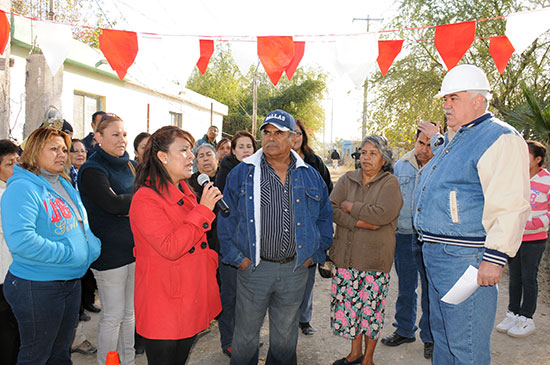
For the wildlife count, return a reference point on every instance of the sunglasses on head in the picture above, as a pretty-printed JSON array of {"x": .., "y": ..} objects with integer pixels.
[{"x": 107, "y": 116}]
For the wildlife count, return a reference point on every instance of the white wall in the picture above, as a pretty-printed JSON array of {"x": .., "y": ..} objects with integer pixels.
[{"x": 130, "y": 103}]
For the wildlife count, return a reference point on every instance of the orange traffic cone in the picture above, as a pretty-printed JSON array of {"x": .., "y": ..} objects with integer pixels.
[{"x": 112, "y": 358}]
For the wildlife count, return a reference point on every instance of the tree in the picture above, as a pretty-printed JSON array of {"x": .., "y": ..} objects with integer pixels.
[
  {"x": 532, "y": 117},
  {"x": 405, "y": 96},
  {"x": 81, "y": 13},
  {"x": 301, "y": 96}
]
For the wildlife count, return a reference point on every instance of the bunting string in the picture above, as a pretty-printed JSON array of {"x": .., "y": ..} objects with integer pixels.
[{"x": 354, "y": 53}]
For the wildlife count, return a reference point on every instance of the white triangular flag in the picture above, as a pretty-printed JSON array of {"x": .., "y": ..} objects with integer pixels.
[
  {"x": 245, "y": 55},
  {"x": 55, "y": 41},
  {"x": 523, "y": 28},
  {"x": 356, "y": 55},
  {"x": 167, "y": 59}
]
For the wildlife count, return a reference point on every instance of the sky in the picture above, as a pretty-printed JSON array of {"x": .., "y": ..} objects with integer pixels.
[{"x": 259, "y": 17}]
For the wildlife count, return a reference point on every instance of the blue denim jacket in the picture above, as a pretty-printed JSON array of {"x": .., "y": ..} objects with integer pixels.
[
  {"x": 239, "y": 231},
  {"x": 406, "y": 170},
  {"x": 449, "y": 197}
]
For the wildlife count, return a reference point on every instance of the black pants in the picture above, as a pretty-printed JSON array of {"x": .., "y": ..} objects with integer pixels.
[
  {"x": 168, "y": 352},
  {"x": 9, "y": 332},
  {"x": 524, "y": 268},
  {"x": 89, "y": 286}
]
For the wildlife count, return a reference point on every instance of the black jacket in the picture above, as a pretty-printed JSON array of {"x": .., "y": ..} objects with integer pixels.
[
  {"x": 106, "y": 184},
  {"x": 317, "y": 163},
  {"x": 226, "y": 166}
]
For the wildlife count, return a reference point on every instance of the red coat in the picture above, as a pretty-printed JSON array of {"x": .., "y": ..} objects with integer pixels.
[{"x": 176, "y": 292}]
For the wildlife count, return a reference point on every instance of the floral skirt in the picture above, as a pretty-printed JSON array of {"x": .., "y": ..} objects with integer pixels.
[{"x": 358, "y": 302}]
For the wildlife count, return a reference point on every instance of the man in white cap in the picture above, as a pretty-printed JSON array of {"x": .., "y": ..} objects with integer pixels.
[
  {"x": 471, "y": 204},
  {"x": 279, "y": 223}
]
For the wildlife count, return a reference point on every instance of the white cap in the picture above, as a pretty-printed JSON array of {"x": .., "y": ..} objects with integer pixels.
[{"x": 464, "y": 78}]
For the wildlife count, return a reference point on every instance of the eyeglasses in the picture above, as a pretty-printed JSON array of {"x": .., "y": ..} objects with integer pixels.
[{"x": 299, "y": 133}]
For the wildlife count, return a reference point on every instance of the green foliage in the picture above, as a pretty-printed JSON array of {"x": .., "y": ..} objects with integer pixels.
[
  {"x": 532, "y": 117},
  {"x": 301, "y": 96},
  {"x": 405, "y": 96},
  {"x": 82, "y": 14}
]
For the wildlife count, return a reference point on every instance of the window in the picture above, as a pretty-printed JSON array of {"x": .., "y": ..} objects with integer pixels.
[
  {"x": 175, "y": 119},
  {"x": 84, "y": 106}
]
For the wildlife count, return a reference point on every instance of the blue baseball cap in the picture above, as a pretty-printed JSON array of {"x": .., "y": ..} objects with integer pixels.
[{"x": 280, "y": 119}]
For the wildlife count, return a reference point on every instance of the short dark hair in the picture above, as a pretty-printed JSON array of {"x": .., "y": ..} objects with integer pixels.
[
  {"x": 239, "y": 134},
  {"x": 306, "y": 150},
  {"x": 222, "y": 142},
  {"x": 76, "y": 140},
  {"x": 140, "y": 137},
  {"x": 7, "y": 147},
  {"x": 102, "y": 113},
  {"x": 151, "y": 172},
  {"x": 538, "y": 150}
]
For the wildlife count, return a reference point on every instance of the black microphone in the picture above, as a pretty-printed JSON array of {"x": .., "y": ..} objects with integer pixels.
[{"x": 203, "y": 179}]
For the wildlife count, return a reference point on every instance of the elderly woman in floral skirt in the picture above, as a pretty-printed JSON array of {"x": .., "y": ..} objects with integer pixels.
[{"x": 366, "y": 204}]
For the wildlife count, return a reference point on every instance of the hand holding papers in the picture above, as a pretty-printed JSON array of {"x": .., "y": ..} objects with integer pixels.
[{"x": 463, "y": 288}]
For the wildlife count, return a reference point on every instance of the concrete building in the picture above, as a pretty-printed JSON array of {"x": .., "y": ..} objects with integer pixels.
[{"x": 89, "y": 84}]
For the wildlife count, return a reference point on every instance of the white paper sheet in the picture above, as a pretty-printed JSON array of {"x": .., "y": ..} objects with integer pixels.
[{"x": 463, "y": 288}]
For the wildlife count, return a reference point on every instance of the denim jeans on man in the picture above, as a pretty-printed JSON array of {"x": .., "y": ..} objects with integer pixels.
[
  {"x": 115, "y": 330},
  {"x": 228, "y": 292},
  {"x": 306, "y": 308},
  {"x": 47, "y": 313},
  {"x": 462, "y": 332},
  {"x": 524, "y": 268},
  {"x": 409, "y": 266},
  {"x": 279, "y": 288}
]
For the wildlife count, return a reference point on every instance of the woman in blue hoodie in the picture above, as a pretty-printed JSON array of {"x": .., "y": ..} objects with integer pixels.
[{"x": 47, "y": 232}]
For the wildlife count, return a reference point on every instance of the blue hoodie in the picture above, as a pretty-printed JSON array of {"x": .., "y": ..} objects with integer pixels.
[{"x": 42, "y": 232}]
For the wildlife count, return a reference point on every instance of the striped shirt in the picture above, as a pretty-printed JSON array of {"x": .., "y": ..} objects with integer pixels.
[
  {"x": 536, "y": 227},
  {"x": 278, "y": 235}
]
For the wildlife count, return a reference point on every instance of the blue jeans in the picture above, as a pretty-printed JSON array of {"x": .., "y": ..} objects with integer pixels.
[
  {"x": 47, "y": 314},
  {"x": 408, "y": 265},
  {"x": 228, "y": 288},
  {"x": 461, "y": 333},
  {"x": 524, "y": 268},
  {"x": 281, "y": 289},
  {"x": 306, "y": 308}
]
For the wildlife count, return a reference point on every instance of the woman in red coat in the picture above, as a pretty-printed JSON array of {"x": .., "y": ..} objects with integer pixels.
[{"x": 176, "y": 293}]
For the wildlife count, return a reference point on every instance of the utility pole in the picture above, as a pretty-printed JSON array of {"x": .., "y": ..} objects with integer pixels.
[
  {"x": 331, "y": 122},
  {"x": 368, "y": 19},
  {"x": 255, "y": 100},
  {"x": 51, "y": 13}
]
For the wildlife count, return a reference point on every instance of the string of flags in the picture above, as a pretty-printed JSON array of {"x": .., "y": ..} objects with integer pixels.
[{"x": 354, "y": 54}]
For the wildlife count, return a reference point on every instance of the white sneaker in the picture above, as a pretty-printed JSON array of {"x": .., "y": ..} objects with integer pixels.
[
  {"x": 523, "y": 327},
  {"x": 508, "y": 322}
]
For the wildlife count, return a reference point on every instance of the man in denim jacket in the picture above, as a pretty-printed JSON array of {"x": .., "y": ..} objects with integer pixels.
[
  {"x": 471, "y": 204},
  {"x": 408, "y": 251},
  {"x": 280, "y": 222}
]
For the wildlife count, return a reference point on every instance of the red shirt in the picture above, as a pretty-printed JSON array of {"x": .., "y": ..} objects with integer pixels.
[{"x": 176, "y": 293}]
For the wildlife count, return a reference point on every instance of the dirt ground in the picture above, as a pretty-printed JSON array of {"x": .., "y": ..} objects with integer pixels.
[{"x": 324, "y": 348}]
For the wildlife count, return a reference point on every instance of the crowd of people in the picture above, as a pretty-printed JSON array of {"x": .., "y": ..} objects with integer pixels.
[{"x": 155, "y": 237}]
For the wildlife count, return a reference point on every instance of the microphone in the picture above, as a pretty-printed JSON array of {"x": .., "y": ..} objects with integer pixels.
[{"x": 203, "y": 179}]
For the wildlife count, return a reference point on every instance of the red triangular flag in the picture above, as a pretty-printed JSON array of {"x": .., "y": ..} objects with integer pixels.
[
  {"x": 501, "y": 50},
  {"x": 387, "y": 51},
  {"x": 453, "y": 40},
  {"x": 120, "y": 48},
  {"x": 275, "y": 54},
  {"x": 299, "y": 48},
  {"x": 4, "y": 31},
  {"x": 207, "y": 49}
]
